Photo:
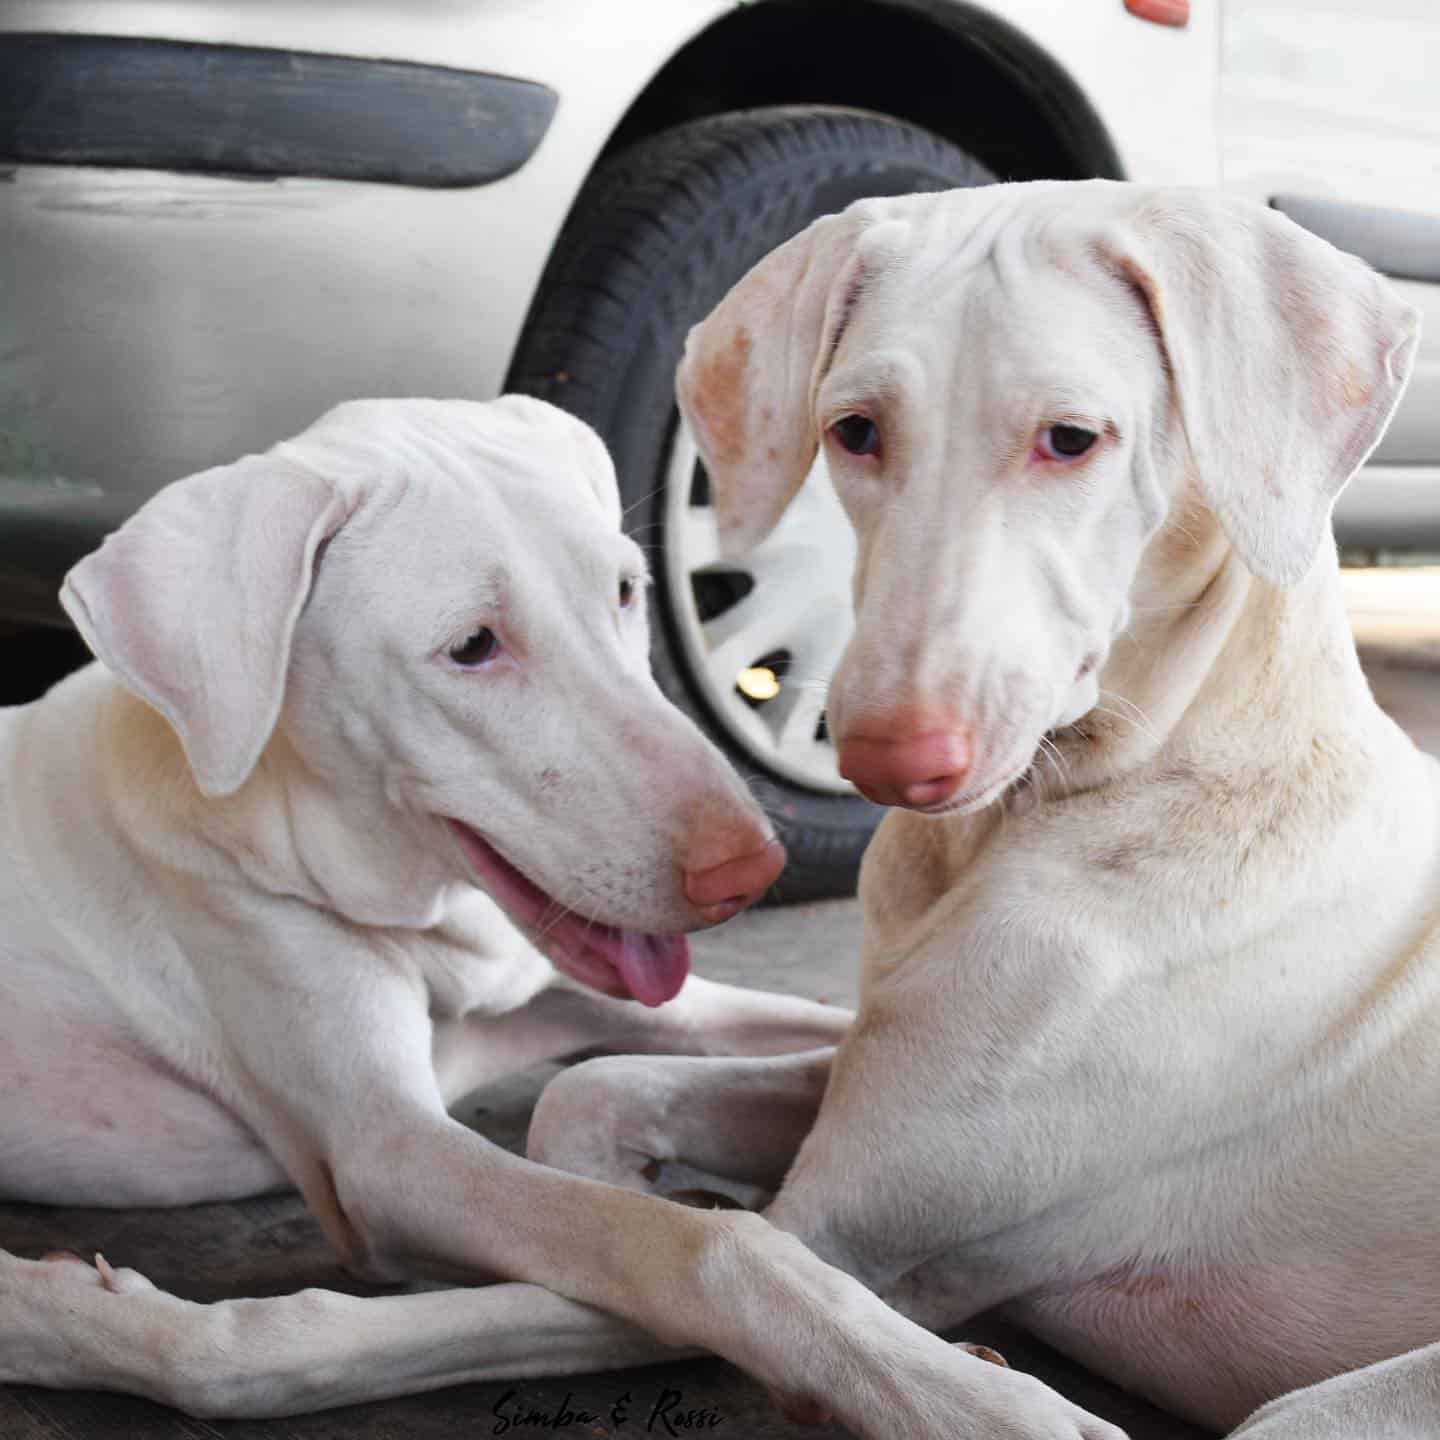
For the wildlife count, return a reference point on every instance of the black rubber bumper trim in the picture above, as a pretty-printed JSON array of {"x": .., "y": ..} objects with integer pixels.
[
  {"x": 237, "y": 110},
  {"x": 1403, "y": 244}
]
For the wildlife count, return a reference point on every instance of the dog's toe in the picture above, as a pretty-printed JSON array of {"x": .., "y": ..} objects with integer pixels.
[{"x": 983, "y": 1352}]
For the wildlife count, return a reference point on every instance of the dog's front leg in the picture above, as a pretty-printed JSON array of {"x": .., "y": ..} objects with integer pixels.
[
  {"x": 1398, "y": 1399},
  {"x": 351, "y": 1102},
  {"x": 705, "y": 1018},
  {"x": 68, "y": 1324},
  {"x": 708, "y": 1017},
  {"x": 623, "y": 1117},
  {"x": 725, "y": 1281}
]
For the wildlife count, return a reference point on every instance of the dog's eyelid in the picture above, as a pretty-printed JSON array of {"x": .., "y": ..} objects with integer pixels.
[
  {"x": 460, "y": 631},
  {"x": 857, "y": 435},
  {"x": 839, "y": 407},
  {"x": 1076, "y": 419},
  {"x": 632, "y": 585},
  {"x": 477, "y": 647},
  {"x": 1065, "y": 442}
]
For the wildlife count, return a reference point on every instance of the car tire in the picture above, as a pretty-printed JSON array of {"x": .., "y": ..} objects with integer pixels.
[{"x": 658, "y": 235}]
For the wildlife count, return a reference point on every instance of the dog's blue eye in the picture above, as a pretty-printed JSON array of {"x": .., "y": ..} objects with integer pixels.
[
  {"x": 1069, "y": 440},
  {"x": 476, "y": 649},
  {"x": 858, "y": 434}
]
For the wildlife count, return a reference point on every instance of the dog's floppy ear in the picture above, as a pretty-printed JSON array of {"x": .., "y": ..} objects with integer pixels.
[
  {"x": 193, "y": 603},
  {"x": 748, "y": 377},
  {"x": 1286, "y": 358}
]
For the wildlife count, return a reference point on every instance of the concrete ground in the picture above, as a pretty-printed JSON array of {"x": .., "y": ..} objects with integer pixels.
[{"x": 271, "y": 1246}]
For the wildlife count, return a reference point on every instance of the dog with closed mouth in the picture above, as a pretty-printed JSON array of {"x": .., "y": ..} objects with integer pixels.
[{"x": 1148, "y": 1045}]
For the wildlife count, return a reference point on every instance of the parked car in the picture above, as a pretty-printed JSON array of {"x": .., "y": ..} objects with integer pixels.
[{"x": 221, "y": 217}]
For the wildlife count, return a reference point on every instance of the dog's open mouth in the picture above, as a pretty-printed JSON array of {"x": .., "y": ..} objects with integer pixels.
[{"x": 624, "y": 963}]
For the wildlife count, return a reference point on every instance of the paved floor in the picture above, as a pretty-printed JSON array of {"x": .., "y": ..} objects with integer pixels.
[{"x": 271, "y": 1246}]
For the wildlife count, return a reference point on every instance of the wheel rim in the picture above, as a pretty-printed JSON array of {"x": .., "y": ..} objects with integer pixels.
[{"x": 772, "y": 622}]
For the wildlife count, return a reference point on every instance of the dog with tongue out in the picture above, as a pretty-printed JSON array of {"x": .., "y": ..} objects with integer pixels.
[
  {"x": 647, "y": 967},
  {"x": 371, "y": 795}
]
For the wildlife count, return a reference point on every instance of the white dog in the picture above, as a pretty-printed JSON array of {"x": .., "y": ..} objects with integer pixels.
[
  {"x": 242, "y": 947},
  {"x": 1148, "y": 1047}
]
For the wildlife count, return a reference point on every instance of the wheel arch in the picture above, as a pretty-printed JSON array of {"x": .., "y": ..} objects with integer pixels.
[
  {"x": 1024, "y": 115},
  {"x": 1026, "y": 118}
]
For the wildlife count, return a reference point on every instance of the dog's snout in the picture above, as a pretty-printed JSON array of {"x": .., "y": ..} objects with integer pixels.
[
  {"x": 916, "y": 771},
  {"x": 720, "y": 890}
]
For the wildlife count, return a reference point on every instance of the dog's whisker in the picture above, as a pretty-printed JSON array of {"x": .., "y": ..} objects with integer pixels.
[
  {"x": 548, "y": 922},
  {"x": 643, "y": 500},
  {"x": 1050, "y": 752},
  {"x": 1137, "y": 717}
]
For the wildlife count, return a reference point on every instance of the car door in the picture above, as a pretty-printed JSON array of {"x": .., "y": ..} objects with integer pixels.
[{"x": 1330, "y": 111}]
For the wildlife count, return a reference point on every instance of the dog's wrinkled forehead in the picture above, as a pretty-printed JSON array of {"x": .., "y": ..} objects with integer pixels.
[
  {"x": 924, "y": 254},
  {"x": 461, "y": 512},
  {"x": 1023, "y": 312},
  {"x": 513, "y": 449}
]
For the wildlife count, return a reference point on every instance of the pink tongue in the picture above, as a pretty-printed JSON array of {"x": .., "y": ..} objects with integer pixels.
[{"x": 653, "y": 966}]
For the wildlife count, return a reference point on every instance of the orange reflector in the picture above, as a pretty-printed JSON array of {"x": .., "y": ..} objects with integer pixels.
[{"x": 1162, "y": 12}]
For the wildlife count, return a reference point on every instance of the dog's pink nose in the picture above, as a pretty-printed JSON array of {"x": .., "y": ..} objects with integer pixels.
[
  {"x": 916, "y": 771},
  {"x": 720, "y": 891}
]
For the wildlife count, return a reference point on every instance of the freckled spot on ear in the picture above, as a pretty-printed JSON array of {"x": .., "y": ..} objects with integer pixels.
[
  {"x": 1355, "y": 390},
  {"x": 1140, "y": 1285},
  {"x": 717, "y": 399},
  {"x": 1126, "y": 855},
  {"x": 767, "y": 413},
  {"x": 771, "y": 453}
]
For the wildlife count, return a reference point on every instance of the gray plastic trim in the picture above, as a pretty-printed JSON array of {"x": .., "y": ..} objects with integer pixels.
[{"x": 1404, "y": 244}]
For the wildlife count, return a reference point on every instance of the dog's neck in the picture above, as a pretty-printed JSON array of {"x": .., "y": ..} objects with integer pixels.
[
  {"x": 1220, "y": 679},
  {"x": 1210, "y": 653},
  {"x": 285, "y": 831},
  {"x": 351, "y": 850}
]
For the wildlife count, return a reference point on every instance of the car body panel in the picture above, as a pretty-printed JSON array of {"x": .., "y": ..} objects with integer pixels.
[
  {"x": 167, "y": 322},
  {"x": 1334, "y": 108},
  {"x": 163, "y": 322},
  {"x": 158, "y": 323}
]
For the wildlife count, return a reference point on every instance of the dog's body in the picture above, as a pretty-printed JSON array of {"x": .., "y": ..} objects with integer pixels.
[
  {"x": 243, "y": 945},
  {"x": 1148, "y": 1046}
]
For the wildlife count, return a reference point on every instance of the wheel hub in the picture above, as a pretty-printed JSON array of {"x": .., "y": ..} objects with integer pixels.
[{"x": 762, "y": 632}]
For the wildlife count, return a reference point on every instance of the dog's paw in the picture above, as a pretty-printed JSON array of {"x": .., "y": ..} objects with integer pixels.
[{"x": 1020, "y": 1407}]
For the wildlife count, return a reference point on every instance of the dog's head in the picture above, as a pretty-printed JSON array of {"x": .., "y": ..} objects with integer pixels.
[
  {"x": 428, "y": 611},
  {"x": 1012, "y": 387}
]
